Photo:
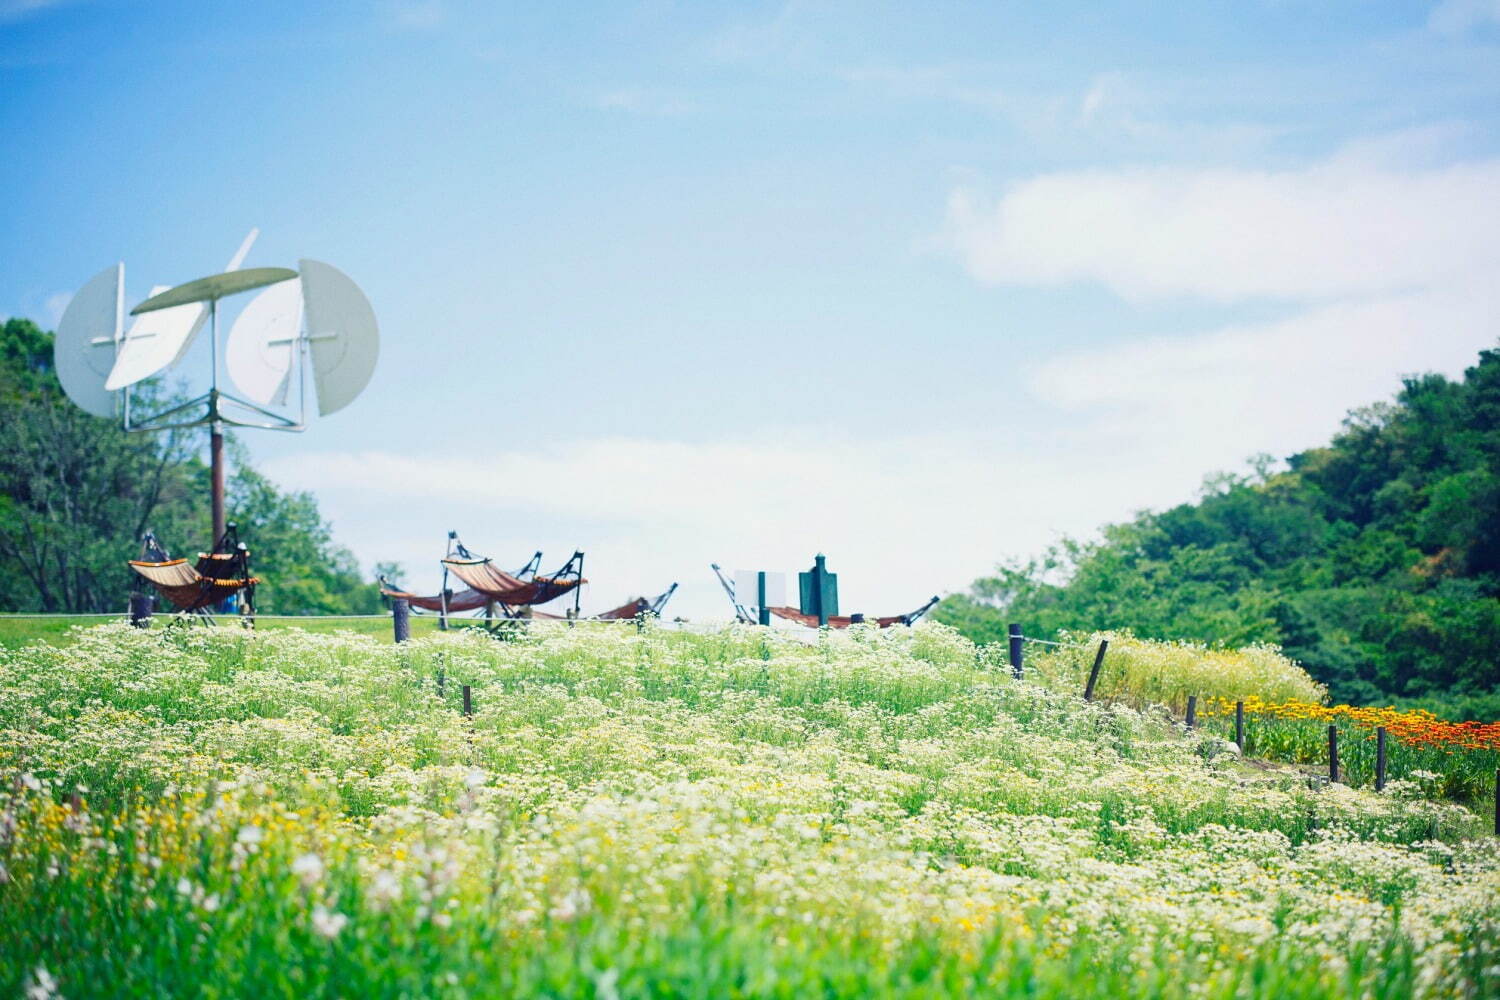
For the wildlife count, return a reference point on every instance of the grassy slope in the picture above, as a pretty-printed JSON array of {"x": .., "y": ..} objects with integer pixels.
[
  {"x": 672, "y": 814},
  {"x": 20, "y": 630}
]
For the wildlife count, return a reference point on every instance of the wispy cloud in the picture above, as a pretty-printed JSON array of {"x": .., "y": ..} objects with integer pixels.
[
  {"x": 414, "y": 15},
  {"x": 52, "y": 309},
  {"x": 1457, "y": 16},
  {"x": 639, "y": 101},
  {"x": 1338, "y": 228},
  {"x": 15, "y": 10}
]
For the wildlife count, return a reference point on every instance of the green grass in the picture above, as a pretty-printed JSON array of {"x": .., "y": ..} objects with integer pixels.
[
  {"x": 658, "y": 813},
  {"x": 18, "y": 630}
]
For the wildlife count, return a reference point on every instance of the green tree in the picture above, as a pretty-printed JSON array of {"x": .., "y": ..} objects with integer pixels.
[
  {"x": 77, "y": 493},
  {"x": 1374, "y": 560}
]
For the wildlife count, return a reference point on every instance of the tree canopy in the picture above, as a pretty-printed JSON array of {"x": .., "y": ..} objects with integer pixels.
[
  {"x": 77, "y": 492},
  {"x": 1374, "y": 560}
]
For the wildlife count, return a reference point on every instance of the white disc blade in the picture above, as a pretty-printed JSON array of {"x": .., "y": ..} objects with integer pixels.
[
  {"x": 262, "y": 344},
  {"x": 84, "y": 349},
  {"x": 342, "y": 336},
  {"x": 156, "y": 340}
]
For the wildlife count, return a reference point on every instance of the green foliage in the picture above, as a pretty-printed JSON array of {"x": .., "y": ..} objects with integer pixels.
[
  {"x": 77, "y": 493},
  {"x": 1375, "y": 561}
]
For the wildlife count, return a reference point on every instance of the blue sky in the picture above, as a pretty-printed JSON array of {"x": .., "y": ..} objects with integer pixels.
[{"x": 921, "y": 286}]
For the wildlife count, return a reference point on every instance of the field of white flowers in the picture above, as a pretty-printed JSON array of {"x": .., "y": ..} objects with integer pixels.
[{"x": 633, "y": 813}]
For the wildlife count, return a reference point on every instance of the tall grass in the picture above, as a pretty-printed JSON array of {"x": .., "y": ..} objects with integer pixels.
[{"x": 1148, "y": 671}]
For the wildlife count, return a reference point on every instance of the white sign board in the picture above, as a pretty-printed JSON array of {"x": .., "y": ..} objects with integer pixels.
[{"x": 747, "y": 589}]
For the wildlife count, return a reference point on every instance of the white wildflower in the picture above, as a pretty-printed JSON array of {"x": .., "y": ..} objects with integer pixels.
[
  {"x": 43, "y": 986},
  {"x": 328, "y": 923},
  {"x": 309, "y": 869},
  {"x": 572, "y": 903}
]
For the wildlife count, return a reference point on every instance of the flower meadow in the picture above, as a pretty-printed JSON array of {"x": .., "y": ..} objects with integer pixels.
[
  {"x": 1286, "y": 718},
  {"x": 652, "y": 812}
]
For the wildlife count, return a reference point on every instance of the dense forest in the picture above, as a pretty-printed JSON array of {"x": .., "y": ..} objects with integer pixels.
[
  {"x": 1374, "y": 560},
  {"x": 77, "y": 492}
]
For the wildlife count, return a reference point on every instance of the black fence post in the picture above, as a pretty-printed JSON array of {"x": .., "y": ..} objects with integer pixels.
[
  {"x": 1333, "y": 753},
  {"x": 1239, "y": 725},
  {"x": 1379, "y": 758},
  {"x": 140, "y": 610},
  {"x": 1088, "y": 689},
  {"x": 468, "y": 701},
  {"x": 1015, "y": 649},
  {"x": 401, "y": 618},
  {"x": 1192, "y": 711}
]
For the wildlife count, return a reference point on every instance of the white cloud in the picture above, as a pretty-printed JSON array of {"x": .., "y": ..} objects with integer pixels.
[
  {"x": 415, "y": 15},
  {"x": 1457, "y": 16},
  {"x": 899, "y": 519},
  {"x": 14, "y": 10},
  {"x": 1344, "y": 227},
  {"x": 643, "y": 102},
  {"x": 1271, "y": 387},
  {"x": 53, "y": 308}
]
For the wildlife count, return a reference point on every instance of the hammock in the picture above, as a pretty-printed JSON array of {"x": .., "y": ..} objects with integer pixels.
[
  {"x": 844, "y": 621},
  {"x": 628, "y": 611},
  {"x": 742, "y": 611},
  {"x": 218, "y": 576},
  {"x": 489, "y": 586}
]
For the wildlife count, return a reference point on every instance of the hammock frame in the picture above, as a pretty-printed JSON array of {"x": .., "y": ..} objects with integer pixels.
[
  {"x": 742, "y": 611},
  {"x": 218, "y": 576}
]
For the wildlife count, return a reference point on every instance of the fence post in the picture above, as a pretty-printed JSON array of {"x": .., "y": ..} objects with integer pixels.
[
  {"x": 1239, "y": 725},
  {"x": 1015, "y": 649},
  {"x": 1379, "y": 758},
  {"x": 1333, "y": 752},
  {"x": 468, "y": 701},
  {"x": 1088, "y": 689},
  {"x": 140, "y": 610},
  {"x": 401, "y": 618},
  {"x": 1192, "y": 711}
]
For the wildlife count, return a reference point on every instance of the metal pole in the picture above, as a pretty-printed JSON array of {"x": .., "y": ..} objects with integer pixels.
[
  {"x": 1088, "y": 689},
  {"x": 577, "y": 591},
  {"x": 1015, "y": 649},
  {"x": 215, "y": 427},
  {"x": 216, "y": 463},
  {"x": 401, "y": 618},
  {"x": 760, "y": 600},
  {"x": 1239, "y": 725},
  {"x": 1333, "y": 753},
  {"x": 820, "y": 570},
  {"x": 468, "y": 701},
  {"x": 1192, "y": 711},
  {"x": 1379, "y": 758}
]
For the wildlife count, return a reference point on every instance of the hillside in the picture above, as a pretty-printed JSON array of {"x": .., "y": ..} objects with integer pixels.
[
  {"x": 1374, "y": 561},
  {"x": 658, "y": 813}
]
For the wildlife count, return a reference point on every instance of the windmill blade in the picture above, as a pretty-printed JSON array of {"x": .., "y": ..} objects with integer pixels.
[
  {"x": 262, "y": 344},
  {"x": 158, "y": 340},
  {"x": 87, "y": 335},
  {"x": 343, "y": 338},
  {"x": 155, "y": 340}
]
